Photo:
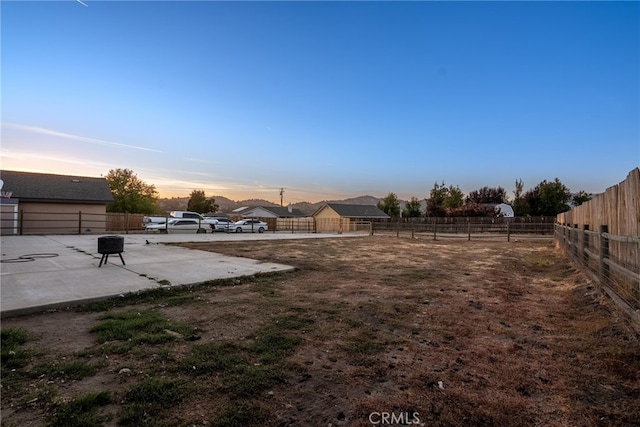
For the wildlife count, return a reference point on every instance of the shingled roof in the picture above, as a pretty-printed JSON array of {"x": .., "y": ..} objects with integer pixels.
[
  {"x": 41, "y": 187},
  {"x": 277, "y": 211},
  {"x": 283, "y": 212},
  {"x": 357, "y": 211}
]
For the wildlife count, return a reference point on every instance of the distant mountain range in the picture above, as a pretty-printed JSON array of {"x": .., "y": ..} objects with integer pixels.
[{"x": 227, "y": 205}]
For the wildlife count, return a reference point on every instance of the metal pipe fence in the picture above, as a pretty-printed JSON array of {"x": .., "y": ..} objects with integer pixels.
[
  {"x": 78, "y": 222},
  {"x": 471, "y": 228}
]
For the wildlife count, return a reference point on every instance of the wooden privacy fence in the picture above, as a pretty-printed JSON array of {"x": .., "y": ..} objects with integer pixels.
[
  {"x": 294, "y": 225},
  {"x": 603, "y": 235},
  {"x": 342, "y": 225},
  {"x": 125, "y": 222}
]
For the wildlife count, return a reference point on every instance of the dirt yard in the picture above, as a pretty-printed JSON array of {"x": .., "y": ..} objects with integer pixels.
[{"x": 367, "y": 331}]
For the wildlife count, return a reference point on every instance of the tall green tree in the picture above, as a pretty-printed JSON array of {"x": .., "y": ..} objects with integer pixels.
[
  {"x": 519, "y": 204},
  {"x": 130, "y": 193},
  {"x": 390, "y": 205},
  {"x": 580, "y": 197},
  {"x": 435, "y": 202},
  {"x": 198, "y": 202},
  {"x": 454, "y": 197},
  {"x": 412, "y": 209},
  {"x": 548, "y": 198},
  {"x": 487, "y": 195},
  {"x": 441, "y": 198}
]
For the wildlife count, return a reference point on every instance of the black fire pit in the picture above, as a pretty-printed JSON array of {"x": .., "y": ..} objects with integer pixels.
[{"x": 108, "y": 245}]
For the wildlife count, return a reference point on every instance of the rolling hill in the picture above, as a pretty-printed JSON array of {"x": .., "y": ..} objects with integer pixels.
[{"x": 227, "y": 205}]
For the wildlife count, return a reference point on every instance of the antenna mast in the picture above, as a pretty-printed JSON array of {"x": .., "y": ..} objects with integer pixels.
[{"x": 281, "y": 196}]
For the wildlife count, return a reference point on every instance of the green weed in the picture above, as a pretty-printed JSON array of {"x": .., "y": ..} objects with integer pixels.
[
  {"x": 246, "y": 370},
  {"x": 139, "y": 327},
  {"x": 241, "y": 414},
  {"x": 81, "y": 412},
  {"x": 272, "y": 346},
  {"x": 291, "y": 322},
  {"x": 166, "y": 355},
  {"x": 157, "y": 391},
  {"x": 250, "y": 380},
  {"x": 239, "y": 376},
  {"x": 148, "y": 398},
  {"x": 12, "y": 353},
  {"x": 364, "y": 343},
  {"x": 158, "y": 295},
  {"x": 213, "y": 357},
  {"x": 180, "y": 299},
  {"x": 275, "y": 342},
  {"x": 75, "y": 370},
  {"x": 137, "y": 415},
  {"x": 116, "y": 347}
]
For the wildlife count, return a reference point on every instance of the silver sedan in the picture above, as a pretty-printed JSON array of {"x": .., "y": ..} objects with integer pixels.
[
  {"x": 250, "y": 225},
  {"x": 180, "y": 225}
]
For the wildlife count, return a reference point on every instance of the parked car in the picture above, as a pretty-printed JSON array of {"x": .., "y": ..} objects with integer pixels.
[
  {"x": 178, "y": 225},
  {"x": 211, "y": 221},
  {"x": 250, "y": 225},
  {"x": 224, "y": 224}
]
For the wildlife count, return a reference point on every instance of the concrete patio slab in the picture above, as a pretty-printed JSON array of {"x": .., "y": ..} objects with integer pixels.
[{"x": 43, "y": 272}]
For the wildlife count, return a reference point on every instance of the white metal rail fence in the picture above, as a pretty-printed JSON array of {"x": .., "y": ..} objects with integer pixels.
[{"x": 611, "y": 260}]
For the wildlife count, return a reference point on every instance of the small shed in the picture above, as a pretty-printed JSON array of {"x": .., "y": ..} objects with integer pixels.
[
  {"x": 344, "y": 217},
  {"x": 38, "y": 203}
]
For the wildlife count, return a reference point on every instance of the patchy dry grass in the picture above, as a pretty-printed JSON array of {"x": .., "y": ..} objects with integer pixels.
[{"x": 449, "y": 333}]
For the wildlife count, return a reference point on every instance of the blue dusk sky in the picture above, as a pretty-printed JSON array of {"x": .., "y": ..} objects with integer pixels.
[{"x": 327, "y": 99}]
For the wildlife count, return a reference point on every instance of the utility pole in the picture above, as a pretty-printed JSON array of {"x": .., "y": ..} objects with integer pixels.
[{"x": 281, "y": 196}]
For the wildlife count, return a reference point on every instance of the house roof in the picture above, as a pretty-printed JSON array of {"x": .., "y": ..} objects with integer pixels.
[
  {"x": 356, "y": 211},
  {"x": 283, "y": 212},
  {"x": 278, "y": 211},
  {"x": 41, "y": 187}
]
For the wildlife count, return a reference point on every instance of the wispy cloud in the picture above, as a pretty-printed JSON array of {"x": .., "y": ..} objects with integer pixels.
[
  {"x": 50, "y": 132},
  {"x": 51, "y": 163},
  {"x": 192, "y": 159}
]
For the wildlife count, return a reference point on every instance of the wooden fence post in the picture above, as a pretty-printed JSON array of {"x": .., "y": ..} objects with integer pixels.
[
  {"x": 435, "y": 225},
  {"x": 585, "y": 244},
  {"x": 604, "y": 254}
]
